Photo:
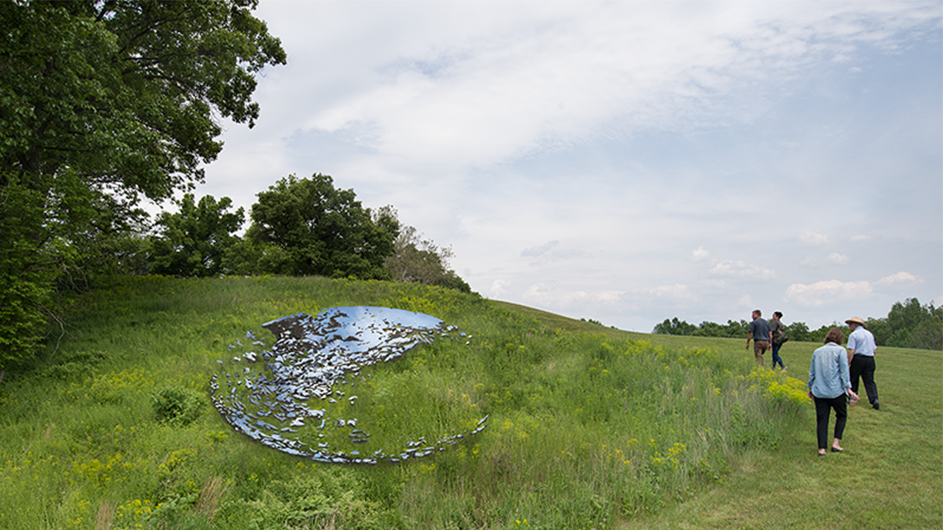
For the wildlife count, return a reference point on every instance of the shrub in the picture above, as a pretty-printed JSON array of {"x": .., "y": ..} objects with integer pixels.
[{"x": 177, "y": 406}]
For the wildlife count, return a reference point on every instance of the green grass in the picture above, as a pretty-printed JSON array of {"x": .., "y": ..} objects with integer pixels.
[
  {"x": 589, "y": 427},
  {"x": 891, "y": 475}
]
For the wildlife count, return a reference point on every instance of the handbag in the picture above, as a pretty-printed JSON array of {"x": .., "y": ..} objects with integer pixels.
[{"x": 780, "y": 338}]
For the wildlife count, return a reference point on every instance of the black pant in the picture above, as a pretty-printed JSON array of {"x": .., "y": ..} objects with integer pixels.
[
  {"x": 863, "y": 366},
  {"x": 823, "y": 407}
]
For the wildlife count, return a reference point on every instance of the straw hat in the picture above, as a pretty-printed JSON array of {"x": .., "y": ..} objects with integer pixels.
[{"x": 855, "y": 320}]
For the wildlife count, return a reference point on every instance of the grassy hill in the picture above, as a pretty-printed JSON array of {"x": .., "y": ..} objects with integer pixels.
[{"x": 587, "y": 426}]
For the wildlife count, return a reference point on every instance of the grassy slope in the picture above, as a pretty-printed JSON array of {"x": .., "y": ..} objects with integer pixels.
[{"x": 891, "y": 475}]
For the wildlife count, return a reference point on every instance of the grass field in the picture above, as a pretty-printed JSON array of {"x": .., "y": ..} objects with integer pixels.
[
  {"x": 890, "y": 475},
  {"x": 589, "y": 427}
]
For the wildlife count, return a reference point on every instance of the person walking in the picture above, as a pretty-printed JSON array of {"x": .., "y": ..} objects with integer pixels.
[
  {"x": 777, "y": 329},
  {"x": 861, "y": 350},
  {"x": 760, "y": 334},
  {"x": 830, "y": 388}
]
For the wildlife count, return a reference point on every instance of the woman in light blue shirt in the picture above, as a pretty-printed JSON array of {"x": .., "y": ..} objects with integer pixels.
[{"x": 830, "y": 388}]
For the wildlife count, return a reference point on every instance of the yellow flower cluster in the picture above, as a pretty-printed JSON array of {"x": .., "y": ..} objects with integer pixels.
[
  {"x": 175, "y": 460},
  {"x": 672, "y": 456},
  {"x": 98, "y": 472},
  {"x": 133, "y": 514},
  {"x": 778, "y": 387},
  {"x": 110, "y": 387}
]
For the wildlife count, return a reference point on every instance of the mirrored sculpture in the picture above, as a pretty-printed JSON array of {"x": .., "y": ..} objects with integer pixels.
[{"x": 273, "y": 392}]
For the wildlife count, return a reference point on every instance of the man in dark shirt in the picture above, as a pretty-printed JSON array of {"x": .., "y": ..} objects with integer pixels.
[{"x": 760, "y": 334}]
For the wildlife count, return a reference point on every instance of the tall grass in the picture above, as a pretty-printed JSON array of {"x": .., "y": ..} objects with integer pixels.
[{"x": 586, "y": 429}]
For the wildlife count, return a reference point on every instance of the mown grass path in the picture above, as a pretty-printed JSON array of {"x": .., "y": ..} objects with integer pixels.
[{"x": 890, "y": 475}]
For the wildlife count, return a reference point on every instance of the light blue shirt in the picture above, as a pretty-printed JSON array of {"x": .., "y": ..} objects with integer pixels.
[
  {"x": 862, "y": 341},
  {"x": 828, "y": 375}
]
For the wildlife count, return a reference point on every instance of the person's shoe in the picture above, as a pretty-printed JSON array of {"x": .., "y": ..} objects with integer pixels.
[
  {"x": 876, "y": 405},
  {"x": 822, "y": 452},
  {"x": 837, "y": 450}
]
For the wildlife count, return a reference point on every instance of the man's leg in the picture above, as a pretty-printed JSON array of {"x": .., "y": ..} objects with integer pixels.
[
  {"x": 854, "y": 369},
  {"x": 759, "y": 348},
  {"x": 867, "y": 375}
]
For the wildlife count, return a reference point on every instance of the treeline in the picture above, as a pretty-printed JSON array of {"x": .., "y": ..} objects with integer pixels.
[
  {"x": 908, "y": 325},
  {"x": 299, "y": 227}
]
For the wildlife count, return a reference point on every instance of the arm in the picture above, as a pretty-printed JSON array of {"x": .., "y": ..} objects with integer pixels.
[
  {"x": 749, "y": 338},
  {"x": 845, "y": 376},
  {"x": 851, "y": 348},
  {"x": 811, "y": 376}
]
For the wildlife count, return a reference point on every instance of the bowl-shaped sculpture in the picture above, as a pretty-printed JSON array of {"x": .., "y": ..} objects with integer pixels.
[{"x": 280, "y": 394}]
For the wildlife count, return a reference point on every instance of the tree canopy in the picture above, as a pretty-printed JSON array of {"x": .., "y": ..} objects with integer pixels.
[
  {"x": 103, "y": 102},
  {"x": 313, "y": 228},
  {"x": 419, "y": 260},
  {"x": 194, "y": 241}
]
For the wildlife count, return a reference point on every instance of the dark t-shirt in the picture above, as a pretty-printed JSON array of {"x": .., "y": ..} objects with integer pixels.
[{"x": 760, "y": 329}]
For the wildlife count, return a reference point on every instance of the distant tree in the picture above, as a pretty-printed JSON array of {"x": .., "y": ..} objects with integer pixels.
[
  {"x": 798, "y": 332},
  {"x": 674, "y": 327},
  {"x": 101, "y": 103},
  {"x": 420, "y": 260},
  {"x": 880, "y": 329},
  {"x": 905, "y": 319},
  {"x": 193, "y": 241},
  {"x": 739, "y": 328},
  {"x": 927, "y": 335},
  {"x": 308, "y": 227},
  {"x": 915, "y": 326}
]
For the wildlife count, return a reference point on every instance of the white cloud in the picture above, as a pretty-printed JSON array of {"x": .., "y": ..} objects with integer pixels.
[
  {"x": 900, "y": 279},
  {"x": 454, "y": 85},
  {"x": 741, "y": 269},
  {"x": 700, "y": 254},
  {"x": 499, "y": 287},
  {"x": 837, "y": 259},
  {"x": 609, "y": 296},
  {"x": 539, "y": 250},
  {"x": 675, "y": 292},
  {"x": 746, "y": 301},
  {"x": 547, "y": 295},
  {"x": 825, "y": 292},
  {"x": 813, "y": 238},
  {"x": 860, "y": 238},
  {"x": 832, "y": 259}
]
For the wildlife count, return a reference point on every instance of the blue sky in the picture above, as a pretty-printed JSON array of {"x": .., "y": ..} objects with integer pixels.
[{"x": 626, "y": 161}]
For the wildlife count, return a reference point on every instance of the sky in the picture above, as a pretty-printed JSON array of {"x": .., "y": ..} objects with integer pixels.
[{"x": 625, "y": 162}]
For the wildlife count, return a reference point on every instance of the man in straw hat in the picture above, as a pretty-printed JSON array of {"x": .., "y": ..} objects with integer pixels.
[{"x": 861, "y": 350}]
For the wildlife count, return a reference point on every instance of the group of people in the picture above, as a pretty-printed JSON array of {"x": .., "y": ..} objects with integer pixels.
[
  {"x": 834, "y": 374},
  {"x": 765, "y": 335}
]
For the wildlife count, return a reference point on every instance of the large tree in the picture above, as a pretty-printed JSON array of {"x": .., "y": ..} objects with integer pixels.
[
  {"x": 311, "y": 227},
  {"x": 194, "y": 240},
  {"x": 103, "y": 102}
]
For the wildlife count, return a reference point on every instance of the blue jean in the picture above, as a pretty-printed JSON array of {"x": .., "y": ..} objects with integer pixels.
[{"x": 776, "y": 357}]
